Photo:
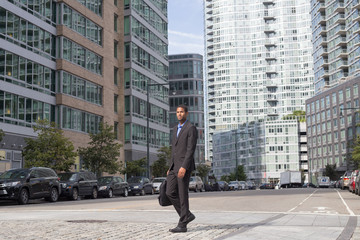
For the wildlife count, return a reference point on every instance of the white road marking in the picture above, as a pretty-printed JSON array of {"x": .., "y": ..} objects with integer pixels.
[
  {"x": 302, "y": 202},
  {"x": 347, "y": 207}
]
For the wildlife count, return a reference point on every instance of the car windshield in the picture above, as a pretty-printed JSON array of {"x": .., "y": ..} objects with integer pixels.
[
  {"x": 233, "y": 182},
  {"x": 134, "y": 180},
  {"x": 104, "y": 180},
  {"x": 15, "y": 174},
  {"x": 67, "y": 176},
  {"x": 160, "y": 180}
]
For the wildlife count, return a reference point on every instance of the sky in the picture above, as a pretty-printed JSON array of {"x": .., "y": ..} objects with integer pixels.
[{"x": 186, "y": 26}]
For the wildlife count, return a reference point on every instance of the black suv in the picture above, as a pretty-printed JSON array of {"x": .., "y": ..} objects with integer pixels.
[
  {"x": 24, "y": 184},
  {"x": 75, "y": 184}
]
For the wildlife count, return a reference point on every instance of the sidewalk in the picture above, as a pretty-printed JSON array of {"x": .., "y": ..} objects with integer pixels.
[{"x": 154, "y": 224}]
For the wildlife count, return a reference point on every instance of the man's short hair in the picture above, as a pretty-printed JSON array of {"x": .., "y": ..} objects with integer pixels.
[{"x": 183, "y": 107}]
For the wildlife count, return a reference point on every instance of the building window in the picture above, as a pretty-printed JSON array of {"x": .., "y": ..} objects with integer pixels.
[
  {"x": 115, "y": 49},
  {"x": 22, "y": 111},
  {"x": 25, "y": 73},
  {"x": 26, "y": 35},
  {"x": 115, "y": 2},
  {"x": 80, "y": 24},
  {"x": 115, "y": 103},
  {"x": 116, "y": 130},
  {"x": 116, "y": 22},
  {"x": 93, "y": 5},
  {"x": 81, "y": 56},
  {"x": 116, "y": 72},
  {"x": 80, "y": 88},
  {"x": 79, "y": 120}
]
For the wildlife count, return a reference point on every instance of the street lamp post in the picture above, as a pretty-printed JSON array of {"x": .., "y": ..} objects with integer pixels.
[{"x": 148, "y": 125}]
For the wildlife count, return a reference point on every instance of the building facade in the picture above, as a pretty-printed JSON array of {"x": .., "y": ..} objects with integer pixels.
[
  {"x": 264, "y": 148},
  {"x": 336, "y": 37},
  {"x": 145, "y": 75},
  {"x": 186, "y": 87},
  {"x": 332, "y": 126},
  {"x": 258, "y": 61},
  {"x": 58, "y": 62}
]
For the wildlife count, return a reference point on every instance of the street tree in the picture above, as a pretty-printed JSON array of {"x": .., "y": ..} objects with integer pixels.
[
  {"x": 297, "y": 114},
  {"x": 330, "y": 171},
  {"x": 103, "y": 151},
  {"x": 355, "y": 155},
  {"x": 241, "y": 175},
  {"x": 135, "y": 168},
  {"x": 2, "y": 134},
  {"x": 160, "y": 166},
  {"x": 203, "y": 170},
  {"x": 50, "y": 149}
]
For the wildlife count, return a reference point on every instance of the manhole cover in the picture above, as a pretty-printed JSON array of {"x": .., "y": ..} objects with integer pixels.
[{"x": 87, "y": 221}]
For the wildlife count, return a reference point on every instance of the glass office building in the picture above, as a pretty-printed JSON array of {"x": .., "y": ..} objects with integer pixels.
[
  {"x": 264, "y": 148},
  {"x": 55, "y": 65},
  {"x": 336, "y": 37},
  {"x": 145, "y": 68},
  {"x": 258, "y": 61},
  {"x": 186, "y": 87}
]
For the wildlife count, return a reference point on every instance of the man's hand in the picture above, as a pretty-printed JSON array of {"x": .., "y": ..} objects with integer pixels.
[
  {"x": 181, "y": 172},
  {"x": 167, "y": 173}
]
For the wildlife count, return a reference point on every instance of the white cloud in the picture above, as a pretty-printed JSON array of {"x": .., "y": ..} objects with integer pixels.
[
  {"x": 176, "y": 47},
  {"x": 187, "y": 35}
]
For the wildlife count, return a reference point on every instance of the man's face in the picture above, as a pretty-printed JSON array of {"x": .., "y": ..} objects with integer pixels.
[{"x": 181, "y": 114}]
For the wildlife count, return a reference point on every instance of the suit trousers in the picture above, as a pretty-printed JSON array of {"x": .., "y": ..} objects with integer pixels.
[{"x": 177, "y": 190}]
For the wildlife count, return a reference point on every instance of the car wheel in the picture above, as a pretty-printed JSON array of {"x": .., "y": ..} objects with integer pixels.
[
  {"x": 94, "y": 193},
  {"x": 126, "y": 192},
  {"x": 142, "y": 193},
  {"x": 23, "y": 197},
  {"x": 202, "y": 189},
  {"x": 110, "y": 193},
  {"x": 196, "y": 189},
  {"x": 54, "y": 195},
  {"x": 75, "y": 194}
]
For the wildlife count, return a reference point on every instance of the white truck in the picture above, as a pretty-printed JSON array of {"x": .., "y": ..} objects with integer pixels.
[
  {"x": 290, "y": 179},
  {"x": 323, "y": 182}
]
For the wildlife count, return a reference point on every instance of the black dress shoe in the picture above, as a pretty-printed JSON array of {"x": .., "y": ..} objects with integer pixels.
[
  {"x": 190, "y": 218},
  {"x": 178, "y": 229}
]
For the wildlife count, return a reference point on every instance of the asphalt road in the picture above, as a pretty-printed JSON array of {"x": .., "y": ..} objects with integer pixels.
[{"x": 252, "y": 214}]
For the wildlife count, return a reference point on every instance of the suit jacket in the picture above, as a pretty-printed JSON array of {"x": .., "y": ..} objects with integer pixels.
[{"x": 183, "y": 147}]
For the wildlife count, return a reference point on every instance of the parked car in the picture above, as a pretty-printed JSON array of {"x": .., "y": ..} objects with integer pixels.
[
  {"x": 344, "y": 180},
  {"x": 251, "y": 185},
  {"x": 224, "y": 186},
  {"x": 267, "y": 186},
  {"x": 357, "y": 184},
  {"x": 24, "y": 184},
  {"x": 243, "y": 185},
  {"x": 353, "y": 176},
  {"x": 140, "y": 185},
  {"x": 234, "y": 185},
  {"x": 309, "y": 185},
  {"x": 157, "y": 183},
  {"x": 110, "y": 186},
  {"x": 75, "y": 184},
  {"x": 196, "y": 184}
]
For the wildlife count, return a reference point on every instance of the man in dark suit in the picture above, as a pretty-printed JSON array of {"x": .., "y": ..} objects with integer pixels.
[{"x": 183, "y": 143}]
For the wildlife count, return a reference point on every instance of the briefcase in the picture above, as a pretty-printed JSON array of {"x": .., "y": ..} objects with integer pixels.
[{"x": 163, "y": 199}]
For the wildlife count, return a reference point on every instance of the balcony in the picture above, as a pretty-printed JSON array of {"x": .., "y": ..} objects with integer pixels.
[
  {"x": 268, "y": 2},
  {"x": 269, "y": 29},
  {"x": 271, "y": 98},
  {"x": 269, "y": 43},
  {"x": 270, "y": 56},
  {"x": 271, "y": 69}
]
